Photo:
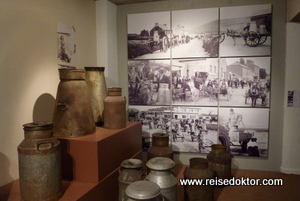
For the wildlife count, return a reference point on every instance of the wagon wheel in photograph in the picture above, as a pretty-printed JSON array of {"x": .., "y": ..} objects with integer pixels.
[
  {"x": 222, "y": 37},
  {"x": 165, "y": 44},
  {"x": 262, "y": 39},
  {"x": 252, "y": 39}
]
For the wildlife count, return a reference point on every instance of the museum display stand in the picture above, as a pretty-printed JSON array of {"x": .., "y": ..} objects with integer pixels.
[{"x": 90, "y": 163}]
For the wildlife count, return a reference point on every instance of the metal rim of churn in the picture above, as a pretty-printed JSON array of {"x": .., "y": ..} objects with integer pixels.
[
  {"x": 198, "y": 162},
  {"x": 132, "y": 163},
  {"x": 114, "y": 91},
  {"x": 142, "y": 190},
  {"x": 97, "y": 68},
  {"x": 160, "y": 163},
  {"x": 160, "y": 139},
  {"x": 71, "y": 74}
]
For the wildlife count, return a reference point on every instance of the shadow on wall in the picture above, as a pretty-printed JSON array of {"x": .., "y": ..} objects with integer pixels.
[
  {"x": 4, "y": 176},
  {"x": 44, "y": 108}
]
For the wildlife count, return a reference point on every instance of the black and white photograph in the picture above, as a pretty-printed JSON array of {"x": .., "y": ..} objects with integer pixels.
[
  {"x": 66, "y": 45},
  {"x": 191, "y": 129},
  {"x": 149, "y": 35},
  {"x": 246, "y": 30},
  {"x": 245, "y": 82},
  {"x": 194, "y": 129},
  {"x": 195, "y": 81},
  {"x": 149, "y": 82},
  {"x": 195, "y": 33},
  {"x": 244, "y": 131},
  {"x": 154, "y": 119}
]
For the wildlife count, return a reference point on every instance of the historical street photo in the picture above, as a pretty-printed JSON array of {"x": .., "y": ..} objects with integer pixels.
[
  {"x": 149, "y": 82},
  {"x": 195, "y": 82},
  {"x": 191, "y": 129},
  {"x": 148, "y": 35},
  {"x": 244, "y": 131},
  {"x": 195, "y": 33},
  {"x": 245, "y": 82},
  {"x": 246, "y": 30}
]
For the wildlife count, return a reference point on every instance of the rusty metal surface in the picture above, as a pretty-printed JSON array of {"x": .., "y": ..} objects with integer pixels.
[
  {"x": 73, "y": 116},
  {"x": 39, "y": 160}
]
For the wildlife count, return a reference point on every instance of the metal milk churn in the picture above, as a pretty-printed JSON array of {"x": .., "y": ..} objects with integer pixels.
[
  {"x": 73, "y": 116},
  {"x": 199, "y": 170},
  {"x": 95, "y": 80},
  {"x": 114, "y": 109},
  {"x": 219, "y": 161},
  {"x": 160, "y": 146},
  {"x": 164, "y": 94},
  {"x": 131, "y": 170},
  {"x": 39, "y": 163},
  {"x": 162, "y": 174},
  {"x": 144, "y": 190}
]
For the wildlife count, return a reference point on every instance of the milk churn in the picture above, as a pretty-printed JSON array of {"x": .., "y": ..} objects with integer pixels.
[
  {"x": 164, "y": 94},
  {"x": 114, "y": 109},
  {"x": 162, "y": 174},
  {"x": 219, "y": 161},
  {"x": 73, "y": 116},
  {"x": 160, "y": 146},
  {"x": 198, "y": 169},
  {"x": 131, "y": 170},
  {"x": 143, "y": 190},
  {"x": 39, "y": 163},
  {"x": 95, "y": 80}
]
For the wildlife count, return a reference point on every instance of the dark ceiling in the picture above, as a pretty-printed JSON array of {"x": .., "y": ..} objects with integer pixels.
[{"x": 121, "y": 2}]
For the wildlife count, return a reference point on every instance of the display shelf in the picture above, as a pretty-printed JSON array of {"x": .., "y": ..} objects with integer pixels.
[{"x": 93, "y": 157}]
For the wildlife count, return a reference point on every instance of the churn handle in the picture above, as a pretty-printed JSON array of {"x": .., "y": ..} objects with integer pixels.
[{"x": 43, "y": 143}]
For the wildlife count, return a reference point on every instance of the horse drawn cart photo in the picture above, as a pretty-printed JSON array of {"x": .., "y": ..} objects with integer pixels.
[{"x": 255, "y": 33}]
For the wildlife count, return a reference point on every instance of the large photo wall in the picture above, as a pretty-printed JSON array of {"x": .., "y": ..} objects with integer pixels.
[{"x": 202, "y": 76}]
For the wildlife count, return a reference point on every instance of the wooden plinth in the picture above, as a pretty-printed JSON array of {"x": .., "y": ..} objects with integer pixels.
[{"x": 93, "y": 157}]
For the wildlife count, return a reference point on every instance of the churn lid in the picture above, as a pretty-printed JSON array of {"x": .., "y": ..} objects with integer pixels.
[
  {"x": 37, "y": 126},
  {"x": 142, "y": 190},
  {"x": 132, "y": 163},
  {"x": 37, "y": 130},
  {"x": 97, "y": 68},
  {"x": 71, "y": 74},
  {"x": 160, "y": 163}
]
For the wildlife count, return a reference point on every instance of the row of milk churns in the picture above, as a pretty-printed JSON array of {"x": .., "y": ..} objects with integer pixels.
[
  {"x": 159, "y": 184},
  {"x": 82, "y": 103}
]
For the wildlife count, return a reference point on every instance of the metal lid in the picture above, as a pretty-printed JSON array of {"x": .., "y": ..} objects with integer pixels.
[
  {"x": 88, "y": 68},
  {"x": 37, "y": 126},
  {"x": 142, "y": 190},
  {"x": 160, "y": 163},
  {"x": 71, "y": 74},
  {"x": 132, "y": 163}
]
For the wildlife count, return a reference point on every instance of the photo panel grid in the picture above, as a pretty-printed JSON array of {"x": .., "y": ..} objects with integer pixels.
[
  {"x": 195, "y": 33},
  {"x": 148, "y": 35},
  {"x": 246, "y": 30},
  {"x": 202, "y": 93}
]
